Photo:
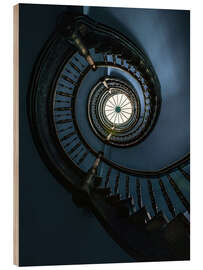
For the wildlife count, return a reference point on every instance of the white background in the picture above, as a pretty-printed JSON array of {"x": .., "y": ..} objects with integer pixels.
[{"x": 6, "y": 130}]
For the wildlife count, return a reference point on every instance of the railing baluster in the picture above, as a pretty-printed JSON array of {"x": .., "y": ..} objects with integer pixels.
[
  {"x": 167, "y": 199},
  {"x": 62, "y": 101},
  {"x": 105, "y": 58},
  {"x": 127, "y": 193},
  {"x": 122, "y": 61},
  {"x": 82, "y": 158},
  {"x": 138, "y": 190},
  {"x": 68, "y": 136},
  {"x": 62, "y": 109},
  {"x": 65, "y": 86},
  {"x": 69, "y": 143},
  {"x": 74, "y": 148},
  {"x": 117, "y": 183},
  {"x": 107, "y": 177},
  {"x": 77, "y": 154},
  {"x": 151, "y": 193},
  {"x": 64, "y": 121},
  {"x": 179, "y": 193},
  {"x": 64, "y": 129},
  {"x": 64, "y": 94},
  {"x": 77, "y": 60},
  {"x": 129, "y": 66},
  {"x": 75, "y": 67},
  {"x": 66, "y": 78},
  {"x": 62, "y": 115},
  {"x": 186, "y": 175},
  {"x": 114, "y": 59}
]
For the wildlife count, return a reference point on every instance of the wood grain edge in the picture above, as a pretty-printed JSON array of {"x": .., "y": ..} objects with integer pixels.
[{"x": 16, "y": 135}]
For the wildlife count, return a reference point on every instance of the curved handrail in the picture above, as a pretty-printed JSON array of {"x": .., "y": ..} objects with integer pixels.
[{"x": 155, "y": 173}]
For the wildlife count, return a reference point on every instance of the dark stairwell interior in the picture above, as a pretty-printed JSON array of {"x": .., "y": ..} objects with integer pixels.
[{"x": 135, "y": 192}]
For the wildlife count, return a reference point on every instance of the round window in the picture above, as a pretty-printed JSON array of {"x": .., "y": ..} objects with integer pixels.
[{"x": 118, "y": 109}]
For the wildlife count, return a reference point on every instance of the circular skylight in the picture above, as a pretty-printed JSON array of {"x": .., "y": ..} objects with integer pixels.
[{"x": 118, "y": 109}]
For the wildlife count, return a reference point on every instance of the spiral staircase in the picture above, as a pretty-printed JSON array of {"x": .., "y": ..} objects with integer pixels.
[{"x": 95, "y": 93}]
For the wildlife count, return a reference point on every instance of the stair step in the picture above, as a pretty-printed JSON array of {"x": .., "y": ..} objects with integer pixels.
[
  {"x": 176, "y": 234},
  {"x": 113, "y": 198},
  {"x": 126, "y": 203},
  {"x": 121, "y": 206},
  {"x": 124, "y": 206},
  {"x": 156, "y": 223},
  {"x": 139, "y": 218},
  {"x": 103, "y": 191},
  {"x": 179, "y": 225}
]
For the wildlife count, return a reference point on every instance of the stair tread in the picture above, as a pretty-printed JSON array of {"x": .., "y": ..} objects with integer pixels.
[
  {"x": 176, "y": 234},
  {"x": 126, "y": 202},
  {"x": 139, "y": 217},
  {"x": 123, "y": 206},
  {"x": 156, "y": 223},
  {"x": 113, "y": 198},
  {"x": 179, "y": 226}
]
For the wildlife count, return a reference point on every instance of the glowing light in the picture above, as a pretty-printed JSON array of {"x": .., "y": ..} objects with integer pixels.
[{"x": 118, "y": 109}]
